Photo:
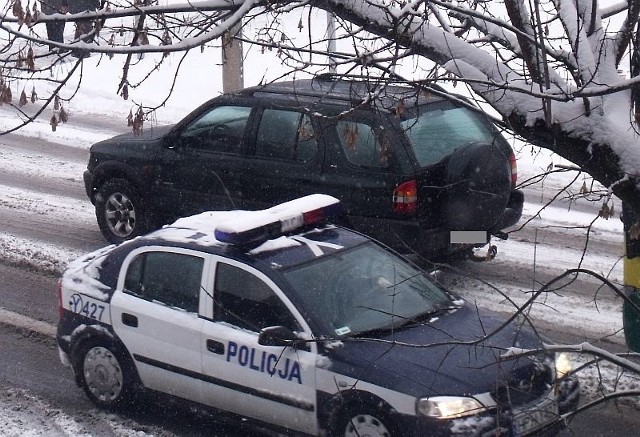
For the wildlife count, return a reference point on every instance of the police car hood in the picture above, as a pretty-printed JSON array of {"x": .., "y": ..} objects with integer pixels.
[{"x": 438, "y": 358}]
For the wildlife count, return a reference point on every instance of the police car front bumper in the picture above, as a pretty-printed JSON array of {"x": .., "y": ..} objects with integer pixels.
[{"x": 564, "y": 398}]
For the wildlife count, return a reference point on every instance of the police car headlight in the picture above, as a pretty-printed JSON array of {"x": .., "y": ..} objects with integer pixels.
[
  {"x": 448, "y": 407},
  {"x": 563, "y": 365}
]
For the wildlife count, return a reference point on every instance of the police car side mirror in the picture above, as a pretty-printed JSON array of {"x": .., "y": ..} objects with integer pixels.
[{"x": 276, "y": 336}]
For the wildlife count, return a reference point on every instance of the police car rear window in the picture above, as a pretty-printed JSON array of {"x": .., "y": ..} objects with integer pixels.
[{"x": 152, "y": 276}]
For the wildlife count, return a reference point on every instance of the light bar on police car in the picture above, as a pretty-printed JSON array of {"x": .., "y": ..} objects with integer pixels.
[{"x": 279, "y": 220}]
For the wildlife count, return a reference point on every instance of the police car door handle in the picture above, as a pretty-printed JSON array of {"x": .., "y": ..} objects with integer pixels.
[
  {"x": 215, "y": 346},
  {"x": 130, "y": 320}
]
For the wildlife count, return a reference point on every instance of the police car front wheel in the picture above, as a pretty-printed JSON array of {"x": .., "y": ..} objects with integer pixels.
[
  {"x": 363, "y": 423},
  {"x": 104, "y": 376}
]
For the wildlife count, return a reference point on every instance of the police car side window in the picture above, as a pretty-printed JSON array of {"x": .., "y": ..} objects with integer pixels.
[
  {"x": 244, "y": 300},
  {"x": 170, "y": 278}
]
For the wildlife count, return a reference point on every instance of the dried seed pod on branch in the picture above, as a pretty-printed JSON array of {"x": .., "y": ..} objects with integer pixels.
[
  {"x": 17, "y": 10},
  {"x": 23, "y": 98},
  {"x": 64, "y": 116},
  {"x": 138, "y": 122},
  {"x": 53, "y": 122}
]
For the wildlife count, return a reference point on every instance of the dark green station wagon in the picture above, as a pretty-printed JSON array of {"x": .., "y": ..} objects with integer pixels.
[{"x": 422, "y": 171}]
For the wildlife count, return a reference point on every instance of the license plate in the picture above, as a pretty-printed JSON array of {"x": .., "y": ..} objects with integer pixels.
[
  {"x": 468, "y": 237},
  {"x": 525, "y": 422}
]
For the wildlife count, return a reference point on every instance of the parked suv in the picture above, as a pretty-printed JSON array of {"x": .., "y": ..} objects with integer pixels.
[{"x": 418, "y": 171}]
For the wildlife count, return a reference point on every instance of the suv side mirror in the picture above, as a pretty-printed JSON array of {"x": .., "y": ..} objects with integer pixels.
[
  {"x": 173, "y": 140},
  {"x": 179, "y": 144},
  {"x": 277, "y": 336}
]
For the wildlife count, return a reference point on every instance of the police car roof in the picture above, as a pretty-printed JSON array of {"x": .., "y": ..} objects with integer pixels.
[{"x": 295, "y": 246}]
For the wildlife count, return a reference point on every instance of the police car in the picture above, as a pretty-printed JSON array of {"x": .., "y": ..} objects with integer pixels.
[{"x": 278, "y": 316}]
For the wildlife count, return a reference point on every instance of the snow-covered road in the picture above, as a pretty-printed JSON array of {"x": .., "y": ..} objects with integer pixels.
[{"x": 46, "y": 221}]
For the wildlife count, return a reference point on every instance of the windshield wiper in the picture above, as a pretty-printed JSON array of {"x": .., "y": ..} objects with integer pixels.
[
  {"x": 402, "y": 323},
  {"x": 427, "y": 316}
]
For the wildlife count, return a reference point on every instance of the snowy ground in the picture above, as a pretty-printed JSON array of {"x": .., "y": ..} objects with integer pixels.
[{"x": 23, "y": 415}]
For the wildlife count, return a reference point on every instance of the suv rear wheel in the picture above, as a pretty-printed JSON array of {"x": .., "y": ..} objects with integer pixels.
[{"x": 119, "y": 211}]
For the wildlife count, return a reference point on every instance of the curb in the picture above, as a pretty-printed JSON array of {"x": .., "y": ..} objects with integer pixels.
[{"x": 28, "y": 324}]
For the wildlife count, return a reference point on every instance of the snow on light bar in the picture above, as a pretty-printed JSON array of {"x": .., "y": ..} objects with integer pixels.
[{"x": 274, "y": 222}]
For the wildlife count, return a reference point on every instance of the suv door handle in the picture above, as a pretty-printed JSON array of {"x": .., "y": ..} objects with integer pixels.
[
  {"x": 215, "y": 346},
  {"x": 130, "y": 320}
]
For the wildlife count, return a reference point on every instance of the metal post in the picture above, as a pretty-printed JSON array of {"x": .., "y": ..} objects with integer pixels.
[
  {"x": 630, "y": 315},
  {"x": 331, "y": 42}
]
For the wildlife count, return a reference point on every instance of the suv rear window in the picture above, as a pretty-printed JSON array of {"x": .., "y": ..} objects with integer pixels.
[{"x": 436, "y": 130}]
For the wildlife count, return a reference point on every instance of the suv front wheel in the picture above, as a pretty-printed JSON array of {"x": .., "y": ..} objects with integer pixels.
[{"x": 120, "y": 211}]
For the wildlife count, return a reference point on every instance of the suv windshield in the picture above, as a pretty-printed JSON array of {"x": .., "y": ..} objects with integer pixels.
[
  {"x": 366, "y": 288},
  {"x": 436, "y": 130}
]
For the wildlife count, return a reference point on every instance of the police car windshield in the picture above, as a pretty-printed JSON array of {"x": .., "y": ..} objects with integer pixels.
[{"x": 365, "y": 288}]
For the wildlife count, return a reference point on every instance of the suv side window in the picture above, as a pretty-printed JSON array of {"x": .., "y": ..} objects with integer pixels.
[
  {"x": 362, "y": 146},
  {"x": 152, "y": 276},
  {"x": 220, "y": 129},
  {"x": 286, "y": 135},
  {"x": 244, "y": 300}
]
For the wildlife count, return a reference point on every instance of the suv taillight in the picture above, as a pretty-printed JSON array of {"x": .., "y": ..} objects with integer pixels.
[
  {"x": 60, "y": 309},
  {"x": 405, "y": 198},
  {"x": 514, "y": 170}
]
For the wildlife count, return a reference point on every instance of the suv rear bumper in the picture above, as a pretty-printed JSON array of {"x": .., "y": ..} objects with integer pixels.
[
  {"x": 512, "y": 212},
  {"x": 412, "y": 236}
]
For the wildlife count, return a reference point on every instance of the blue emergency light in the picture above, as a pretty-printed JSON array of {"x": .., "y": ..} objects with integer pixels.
[{"x": 260, "y": 226}]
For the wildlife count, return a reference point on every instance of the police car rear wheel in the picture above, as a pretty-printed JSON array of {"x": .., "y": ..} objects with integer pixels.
[{"x": 103, "y": 376}]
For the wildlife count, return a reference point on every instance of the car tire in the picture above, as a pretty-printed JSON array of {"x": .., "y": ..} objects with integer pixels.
[
  {"x": 478, "y": 185},
  {"x": 356, "y": 420},
  {"x": 120, "y": 211},
  {"x": 105, "y": 374}
]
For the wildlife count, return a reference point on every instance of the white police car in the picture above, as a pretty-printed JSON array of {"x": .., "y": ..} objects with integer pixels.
[{"x": 279, "y": 317}]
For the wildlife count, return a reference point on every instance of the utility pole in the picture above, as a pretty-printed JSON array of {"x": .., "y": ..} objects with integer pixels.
[{"x": 232, "y": 58}]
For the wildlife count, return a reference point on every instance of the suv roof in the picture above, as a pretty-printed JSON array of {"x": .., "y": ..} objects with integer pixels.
[{"x": 354, "y": 92}]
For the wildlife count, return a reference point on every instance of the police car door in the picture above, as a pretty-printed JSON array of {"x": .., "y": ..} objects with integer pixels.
[
  {"x": 273, "y": 384},
  {"x": 154, "y": 312}
]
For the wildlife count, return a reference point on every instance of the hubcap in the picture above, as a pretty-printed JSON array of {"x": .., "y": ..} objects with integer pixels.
[
  {"x": 102, "y": 374},
  {"x": 120, "y": 214},
  {"x": 365, "y": 425}
]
